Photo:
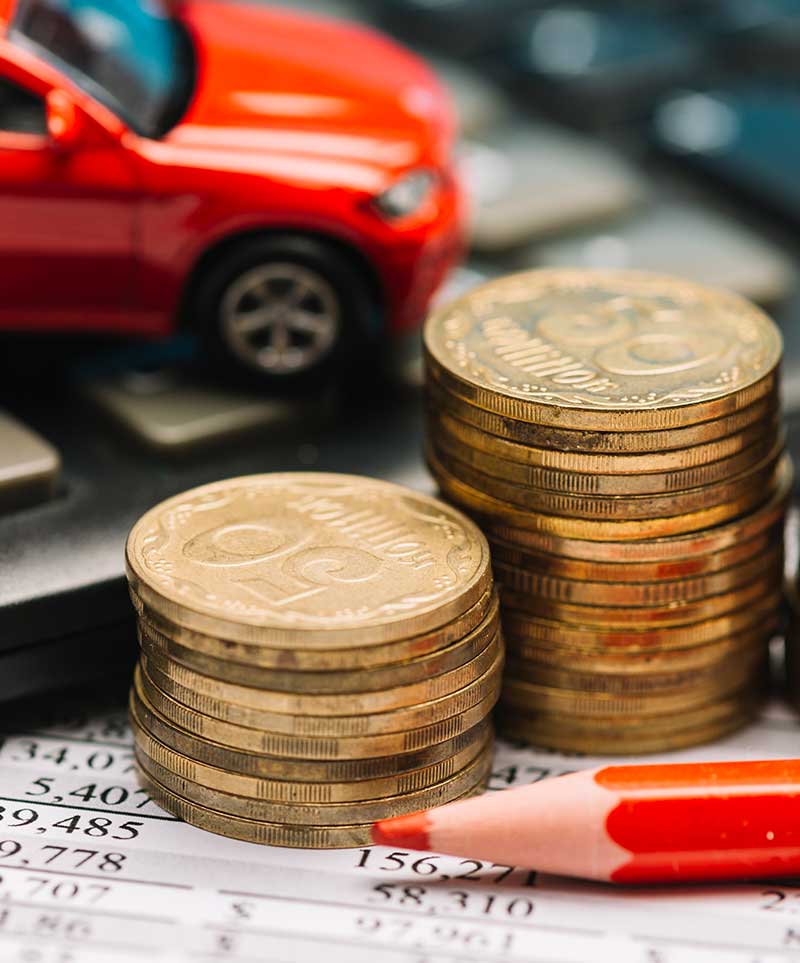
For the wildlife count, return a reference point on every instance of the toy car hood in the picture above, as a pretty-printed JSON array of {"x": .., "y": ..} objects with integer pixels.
[{"x": 261, "y": 69}]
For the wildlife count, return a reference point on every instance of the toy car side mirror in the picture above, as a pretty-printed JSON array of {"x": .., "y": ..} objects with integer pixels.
[{"x": 65, "y": 122}]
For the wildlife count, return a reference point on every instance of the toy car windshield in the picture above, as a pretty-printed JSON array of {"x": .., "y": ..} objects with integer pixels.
[{"x": 128, "y": 54}]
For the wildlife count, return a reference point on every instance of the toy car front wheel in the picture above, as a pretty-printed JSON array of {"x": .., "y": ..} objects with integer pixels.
[{"x": 285, "y": 308}]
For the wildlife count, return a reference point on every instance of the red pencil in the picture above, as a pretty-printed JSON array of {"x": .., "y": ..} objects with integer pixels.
[{"x": 627, "y": 824}]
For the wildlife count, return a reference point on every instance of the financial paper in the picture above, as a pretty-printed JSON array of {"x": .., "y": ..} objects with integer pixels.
[{"x": 92, "y": 871}]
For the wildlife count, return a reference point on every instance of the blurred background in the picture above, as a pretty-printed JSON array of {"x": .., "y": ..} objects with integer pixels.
[{"x": 655, "y": 135}]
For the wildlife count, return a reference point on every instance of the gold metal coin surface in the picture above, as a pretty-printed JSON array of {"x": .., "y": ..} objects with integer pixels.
[
  {"x": 412, "y": 670},
  {"x": 702, "y": 442},
  {"x": 639, "y": 661},
  {"x": 691, "y": 567},
  {"x": 423, "y": 748},
  {"x": 644, "y": 480},
  {"x": 313, "y": 793},
  {"x": 571, "y": 702},
  {"x": 570, "y": 347},
  {"x": 307, "y": 559},
  {"x": 648, "y": 509},
  {"x": 322, "y": 660},
  {"x": 215, "y": 696},
  {"x": 634, "y": 594},
  {"x": 522, "y": 626},
  {"x": 631, "y": 683},
  {"x": 676, "y": 613},
  {"x": 625, "y": 737},
  {"x": 503, "y": 516},
  {"x": 336, "y": 737},
  {"x": 466, "y": 780},
  {"x": 680, "y": 547},
  {"x": 256, "y": 831}
]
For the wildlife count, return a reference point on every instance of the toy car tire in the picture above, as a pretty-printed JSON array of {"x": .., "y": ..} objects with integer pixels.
[{"x": 284, "y": 309}]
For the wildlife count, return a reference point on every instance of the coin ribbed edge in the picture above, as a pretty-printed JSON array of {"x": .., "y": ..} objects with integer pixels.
[
  {"x": 526, "y": 466},
  {"x": 475, "y": 773},
  {"x": 221, "y": 756},
  {"x": 264, "y": 833},
  {"x": 318, "y": 660},
  {"x": 310, "y": 707},
  {"x": 579, "y": 591},
  {"x": 624, "y": 509},
  {"x": 267, "y": 731},
  {"x": 583, "y": 529},
  {"x": 314, "y": 793},
  {"x": 625, "y": 418},
  {"x": 469, "y": 709},
  {"x": 663, "y": 548},
  {"x": 415, "y": 669},
  {"x": 576, "y": 442}
]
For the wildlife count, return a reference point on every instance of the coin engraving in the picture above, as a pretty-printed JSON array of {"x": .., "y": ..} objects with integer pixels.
[
  {"x": 308, "y": 551},
  {"x": 603, "y": 341}
]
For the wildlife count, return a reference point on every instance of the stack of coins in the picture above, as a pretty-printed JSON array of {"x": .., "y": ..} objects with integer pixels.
[
  {"x": 318, "y": 652},
  {"x": 617, "y": 437}
]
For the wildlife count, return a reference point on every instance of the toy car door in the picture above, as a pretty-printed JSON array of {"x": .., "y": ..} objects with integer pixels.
[{"x": 67, "y": 216}]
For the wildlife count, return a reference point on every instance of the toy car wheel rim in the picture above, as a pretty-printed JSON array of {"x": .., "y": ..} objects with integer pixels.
[{"x": 281, "y": 318}]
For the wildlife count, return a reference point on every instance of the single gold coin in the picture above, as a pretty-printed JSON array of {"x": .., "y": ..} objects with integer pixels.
[
  {"x": 566, "y": 448},
  {"x": 313, "y": 793},
  {"x": 646, "y": 508},
  {"x": 468, "y": 779},
  {"x": 236, "y": 702},
  {"x": 682, "y": 547},
  {"x": 256, "y": 831},
  {"x": 458, "y": 653},
  {"x": 334, "y": 737},
  {"x": 623, "y": 738},
  {"x": 523, "y": 627},
  {"x": 423, "y": 748},
  {"x": 589, "y": 482},
  {"x": 307, "y": 560},
  {"x": 571, "y": 702},
  {"x": 635, "y": 594},
  {"x": 681, "y": 570},
  {"x": 675, "y": 613},
  {"x": 735, "y": 664},
  {"x": 639, "y": 661},
  {"x": 318, "y": 660},
  {"x": 585, "y": 349},
  {"x": 508, "y": 516}
]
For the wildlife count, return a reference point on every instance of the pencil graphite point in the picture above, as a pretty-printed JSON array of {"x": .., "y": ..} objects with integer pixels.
[{"x": 410, "y": 831}]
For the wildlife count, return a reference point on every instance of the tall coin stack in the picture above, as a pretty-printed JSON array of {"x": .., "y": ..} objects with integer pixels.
[
  {"x": 617, "y": 437},
  {"x": 318, "y": 652}
]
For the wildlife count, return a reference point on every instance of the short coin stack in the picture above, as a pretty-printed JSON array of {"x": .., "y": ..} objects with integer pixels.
[
  {"x": 318, "y": 652},
  {"x": 617, "y": 437}
]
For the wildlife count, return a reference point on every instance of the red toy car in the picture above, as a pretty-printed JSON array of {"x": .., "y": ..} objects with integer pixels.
[{"x": 280, "y": 183}]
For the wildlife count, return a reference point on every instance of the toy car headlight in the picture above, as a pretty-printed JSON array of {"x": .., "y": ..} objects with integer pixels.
[{"x": 406, "y": 195}]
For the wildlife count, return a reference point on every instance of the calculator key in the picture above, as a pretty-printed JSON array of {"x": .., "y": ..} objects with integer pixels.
[
  {"x": 527, "y": 180},
  {"x": 682, "y": 238},
  {"x": 29, "y": 465},
  {"x": 166, "y": 410}
]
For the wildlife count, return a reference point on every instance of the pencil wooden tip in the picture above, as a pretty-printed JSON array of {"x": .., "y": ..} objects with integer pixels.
[{"x": 410, "y": 832}]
